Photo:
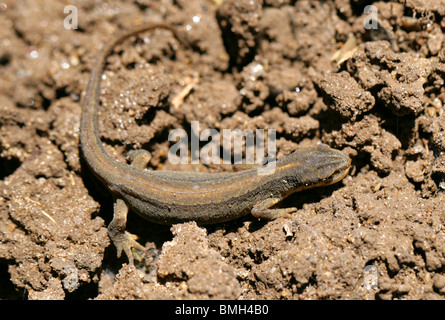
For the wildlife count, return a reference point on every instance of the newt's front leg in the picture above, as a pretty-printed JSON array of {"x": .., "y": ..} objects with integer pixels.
[{"x": 262, "y": 210}]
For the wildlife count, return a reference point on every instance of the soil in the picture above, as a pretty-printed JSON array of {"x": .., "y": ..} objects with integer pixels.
[{"x": 308, "y": 69}]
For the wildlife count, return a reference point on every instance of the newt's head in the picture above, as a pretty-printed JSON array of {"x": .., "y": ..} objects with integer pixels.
[
  {"x": 313, "y": 167},
  {"x": 331, "y": 165}
]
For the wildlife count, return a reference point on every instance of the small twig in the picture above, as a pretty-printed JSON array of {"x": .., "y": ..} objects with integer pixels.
[
  {"x": 178, "y": 100},
  {"x": 43, "y": 211}
]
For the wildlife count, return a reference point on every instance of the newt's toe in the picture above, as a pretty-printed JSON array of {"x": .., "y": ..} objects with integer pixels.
[{"x": 126, "y": 242}]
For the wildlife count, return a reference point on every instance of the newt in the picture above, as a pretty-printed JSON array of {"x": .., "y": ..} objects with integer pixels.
[{"x": 168, "y": 197}]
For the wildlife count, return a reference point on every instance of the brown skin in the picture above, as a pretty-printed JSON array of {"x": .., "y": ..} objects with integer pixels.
[{"x": 171, "y": 197}]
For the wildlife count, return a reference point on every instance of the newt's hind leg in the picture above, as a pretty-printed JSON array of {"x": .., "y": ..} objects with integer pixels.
[
  {"x": 123, "y": 240},
  {"x": 139, "y": 158}
]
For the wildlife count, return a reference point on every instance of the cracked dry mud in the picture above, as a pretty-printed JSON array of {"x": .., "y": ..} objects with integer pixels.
[{"x": 251, "y": 64}]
